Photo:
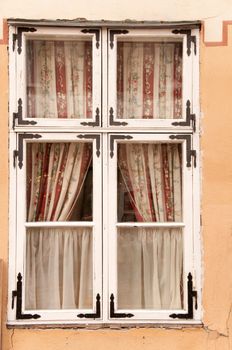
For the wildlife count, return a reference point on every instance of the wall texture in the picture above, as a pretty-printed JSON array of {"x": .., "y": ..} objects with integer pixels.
[{"x": 216, "y": 204}]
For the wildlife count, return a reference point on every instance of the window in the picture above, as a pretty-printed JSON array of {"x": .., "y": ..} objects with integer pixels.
[{"x": 104, "y": 218}]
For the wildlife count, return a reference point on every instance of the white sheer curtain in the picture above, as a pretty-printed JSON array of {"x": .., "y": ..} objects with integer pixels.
[
  {"x": 150, "y": 260},
  {"x": 59, "y": 79},
  {"x": 149, "y": 80},
  {"x": 58, "y": 260},
  {"x": 59, "y": 268},
  {"x": 150, "y": 263}
]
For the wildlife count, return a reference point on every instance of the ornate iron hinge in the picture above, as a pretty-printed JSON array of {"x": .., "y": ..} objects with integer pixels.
[
  {"x": 96, "y": 122},
  {"x": 117, "y": 137},
  {"x": 92, "y": 137},
  {"x": 191, "y": 294},
  {"x": 190, "y": 118},
  {"x": 189, "y": 152},
  {"x": 113, "y": 122},
  {"x": 19, "y": 116},
  {"x": 19, "y": 153},
  {"x": 97, "y": 314},
  {"x": 114, "y": 314},
  {"x": 18, "y": 37},
  {"x": 115, "y": 32},
  {"x": 190, "y": 39},
  {"x": 97, "y": 34},
  {"x": 18, "y": 294}
]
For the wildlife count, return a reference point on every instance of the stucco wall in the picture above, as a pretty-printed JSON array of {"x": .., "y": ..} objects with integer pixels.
[{"x": 216, "y": 152}]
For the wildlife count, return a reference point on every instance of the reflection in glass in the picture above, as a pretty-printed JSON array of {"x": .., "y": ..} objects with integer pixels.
[
  {"x": 149, "y": 80},
  {"x": 150, "y": 268},
  {"x": 59, "y": 79},
  {"x": 59, "y": 181},
  {"x": 58, "y": 268},
  {"x": 149, "y": 182}
]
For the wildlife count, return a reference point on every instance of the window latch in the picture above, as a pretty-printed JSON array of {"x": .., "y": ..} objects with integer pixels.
[
  {"x": 18, "y": 294},
  {"x": 191, "y": 294},
  {"x": 114, "y": 314},
  {"x": 97, "y": 314}
]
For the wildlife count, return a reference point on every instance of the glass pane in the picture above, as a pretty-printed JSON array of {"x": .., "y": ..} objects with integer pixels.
[
  {"x": 59, "y": 79},
  {"x": 149, "y": 80},
  {"x": 59, "y": 181},
  {"x": 149, "y": 182},
  {"x": 59, "y": 268},
  {"x": 150, "y": 264}
]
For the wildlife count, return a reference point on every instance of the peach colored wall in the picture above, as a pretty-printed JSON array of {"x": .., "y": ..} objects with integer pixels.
[{"x": 216, "y": 142}]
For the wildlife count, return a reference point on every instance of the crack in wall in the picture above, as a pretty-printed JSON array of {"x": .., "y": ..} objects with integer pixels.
[{"x": 11, "y": 339}]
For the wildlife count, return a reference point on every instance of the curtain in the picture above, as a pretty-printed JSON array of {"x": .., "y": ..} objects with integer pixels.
[
  {"x": 55, "y": 176},
  {"x": 59, "y": 79},
  {"x": 150, "y": 260},
  {"x": 150, "y": 263},
  {"x": 152, "y": 175},
  {"x": 58, "y": 260},
  {"x": 149, "y": 80},
  {"x": 59, "y": 268}
]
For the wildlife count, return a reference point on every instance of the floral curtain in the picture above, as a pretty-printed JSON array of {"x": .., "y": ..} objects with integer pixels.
[
  {"x": 149, "y": 80},
  {"x": 152, "y": 175},
  {"x": 59, "y": 79},
  {"x": 58, "y": 260},
  {"x": 150, "y": 259},
  {"x": 55, "y": 176}
]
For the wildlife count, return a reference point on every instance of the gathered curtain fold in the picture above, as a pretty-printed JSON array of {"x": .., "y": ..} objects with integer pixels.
[
  {"x": 55, "y": 176},
  {"x": 149, "y": 80},
  {"x": 59, "y": 79},
  {"x": 152, "y": 175}
]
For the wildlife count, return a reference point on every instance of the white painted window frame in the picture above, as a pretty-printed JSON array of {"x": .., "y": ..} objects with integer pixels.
[
  {"x": 66, "y": 130},
  {"x": 187, "y": 78},
  {"x": 42, "y": 33}
]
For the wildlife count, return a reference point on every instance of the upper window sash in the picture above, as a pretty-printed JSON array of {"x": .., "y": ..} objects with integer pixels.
[
  {"x": 162, "y": 99},
  {"x": 58, "y": 77}
]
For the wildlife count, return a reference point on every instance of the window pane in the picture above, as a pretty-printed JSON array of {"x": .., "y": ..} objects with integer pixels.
[
  {"x": 149, "y": 80},
  {"x": 59, "y": 181},
  {"x": 150, "y": 264},
  {"x": 59, "y": 79},
  {"x": 59, "y": 268},
  {"x": 149, "y": 182}
]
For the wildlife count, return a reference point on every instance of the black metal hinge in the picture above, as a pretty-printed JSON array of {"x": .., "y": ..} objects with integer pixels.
[
  {"x": 114, "y": 314},
  {"x": 18, "y": 294},
  {"x": 115, "y": 32},
  {"x": 190, "y": 39},
  {"x": 97, "y": 34},
  {"x": 96, "y": 122},
  {"x": 19, "y": 153},
  {"x": 19, "y": 116},
  {"x": 191, "y": 294},
  {"x": 18, "y": 37},
  {"x": 189, "y": 152},
  {"x": 97, "y": 314},
  {"x": 190, "y": 118},
  {"x": 92, "y": 137},
  {"x": 117, "y": 137},
  {"x": 113, "y": 122}
]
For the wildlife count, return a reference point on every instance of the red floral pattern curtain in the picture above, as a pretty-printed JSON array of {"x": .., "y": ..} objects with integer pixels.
[
  {"x": 149, "y": 80},
  {"x": 59, "y": 79}
]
